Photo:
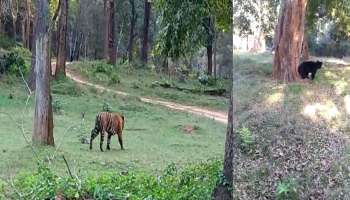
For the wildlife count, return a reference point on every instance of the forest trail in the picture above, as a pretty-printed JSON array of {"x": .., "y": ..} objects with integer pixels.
[{"x": 215, "y": 115}]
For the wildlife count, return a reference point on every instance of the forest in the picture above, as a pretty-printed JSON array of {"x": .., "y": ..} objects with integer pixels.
[{"x": 174, "y": 99}]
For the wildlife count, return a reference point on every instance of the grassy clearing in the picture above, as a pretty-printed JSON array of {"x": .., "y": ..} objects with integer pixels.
[
  {"x": 141, "y": 82},
  {"x": 162, "y": 141}
]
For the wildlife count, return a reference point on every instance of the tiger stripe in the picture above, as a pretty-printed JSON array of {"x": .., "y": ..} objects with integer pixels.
[{"x": 110, "y": 123}]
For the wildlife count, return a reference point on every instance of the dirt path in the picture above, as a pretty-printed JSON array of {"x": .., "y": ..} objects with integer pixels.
[{"x": 215, "y": 115}]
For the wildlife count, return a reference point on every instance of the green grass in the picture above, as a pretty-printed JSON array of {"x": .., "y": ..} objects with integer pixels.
[
  {"x": 161, "y": 142},
  {"x": 294, "y": 131},
  {"x": 139, "y": 82}
]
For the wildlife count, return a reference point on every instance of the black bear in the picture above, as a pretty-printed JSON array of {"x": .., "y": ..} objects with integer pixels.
[{"x": 309, "y": 67}]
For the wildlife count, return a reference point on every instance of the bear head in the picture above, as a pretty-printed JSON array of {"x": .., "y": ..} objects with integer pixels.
[{"x": 319, "y": 64}]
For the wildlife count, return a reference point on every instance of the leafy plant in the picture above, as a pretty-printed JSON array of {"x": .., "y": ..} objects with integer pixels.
[
  {"x": 57, "y": 106},
  {"x": 194, "y": 182},
  {"x": 114, "y": 79},
  {"x": 246, "y": 138},
  {"x": 287, "y": 190},
  {"x": 15, "y": 62},
  {"x": 106, "y": 107}
]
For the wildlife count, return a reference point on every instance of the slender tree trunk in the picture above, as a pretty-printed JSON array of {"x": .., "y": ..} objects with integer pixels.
[
  {"x": 305, "y": 49},
  {"x": 132, "y": 27},
  {"x": 43, "y": 119},
  {"x": 62, "y": 38},
  {"x": 223, "y": 190},
  {"x": 32, "y": 74},
  {"x": 109, "y": 46},
  {"x": 289, "y": 38},
  {"x": 144, "y": 49},
  {"x": 215, "y": 51},
  {"x": 26, "y": 24},
  {"x": 210, "y": 59}
]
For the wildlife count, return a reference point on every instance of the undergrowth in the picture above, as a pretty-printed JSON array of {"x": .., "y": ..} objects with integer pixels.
[{"x": 192, "y": 182}]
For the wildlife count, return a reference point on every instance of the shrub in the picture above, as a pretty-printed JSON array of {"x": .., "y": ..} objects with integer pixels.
[
  {"x": 246, "y": 139},
  {"x": 114, "y": 79},
  {"x": 106, "y": 107},
  {"x": 57, "y": 106},
  {"x": 17, "y": 61},
  {"x": 194, "y": 182}
]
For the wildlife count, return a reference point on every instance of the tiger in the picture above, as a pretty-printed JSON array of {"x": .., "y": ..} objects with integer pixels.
[{"x": 112, "y": 123}]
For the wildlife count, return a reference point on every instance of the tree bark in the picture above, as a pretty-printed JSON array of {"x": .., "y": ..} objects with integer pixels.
[
  {"x": 62, "y": 38},
  {"x": 110, "y": 46},
  {"x": 26, "y": 24},
  {"x": 210, "y": 59},
  {"x": 132, "y": 28},
  {"x": 144, "y": 49},
  {"x": 43, "y": 119},
  {"x": 305, "y": 49},
  {"x": 223, "y": 189},
  {"x": 288, "y": 40}
]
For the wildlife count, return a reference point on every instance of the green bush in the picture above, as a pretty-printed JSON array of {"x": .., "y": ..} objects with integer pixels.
[
  {"x": 17, "y": 61},
  {"x": 195, "y": 182},
  {"x": 114, "y": 79},
  {"x": 106, "y": 107},
  {"x": 57, "y": 106},
  {"x": 246, "y": 139}
]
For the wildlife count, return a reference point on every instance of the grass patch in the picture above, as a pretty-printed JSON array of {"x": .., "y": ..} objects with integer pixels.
[{"x": 150, "y": 148}]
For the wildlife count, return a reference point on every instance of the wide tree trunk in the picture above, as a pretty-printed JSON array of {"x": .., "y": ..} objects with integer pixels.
[
  {"x": 144, "y": 48},
  {"x": 62, "y": 35},
  {"x": 132, "y": 28},
  {"x": 210, "y": 59},
  {"x": 288, "y": 40},
  {"x": 110, "y": 45},
  {"x": 43, "y": 119}
]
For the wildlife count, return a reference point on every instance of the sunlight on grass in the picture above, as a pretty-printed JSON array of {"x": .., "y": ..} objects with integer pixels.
[
  {"x": 340, "y": 86},
  {"x": 275, "y": 98},
  {"x": 317, "y": 111}
]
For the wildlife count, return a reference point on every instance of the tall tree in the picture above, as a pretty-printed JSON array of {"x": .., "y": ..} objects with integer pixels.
[
  {"x": 62, "y": 41},
  {"x": 110, "y": 44},
  {"x": 289, "y": 36},
  {"x": 209, "y": 26},
  {"x": 43, "y": 118},
  {"x": 188, "y": 26},
  {"x": 26, "y": 24},
  {"x": 144, "y": 49},
  {"x": 132, "y": 29}
]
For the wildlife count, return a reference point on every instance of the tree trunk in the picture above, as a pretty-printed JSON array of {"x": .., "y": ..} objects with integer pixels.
[
  {"x": 43, "y": 119},
  {"x": 210, "y": 59},
  {"x": 305, "y": 49},
  {"x": 26, "y": 24},
  {"x": 289, "y": 38},
  {"x": 132, "y": 27},
  {"x": 62, "y": 35},
  {"x": 144, "y": 49},
  {"x": 31, "y": 78},
  {"x": 223, "y": 189},
  {"x": 109, "y": 46}
]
